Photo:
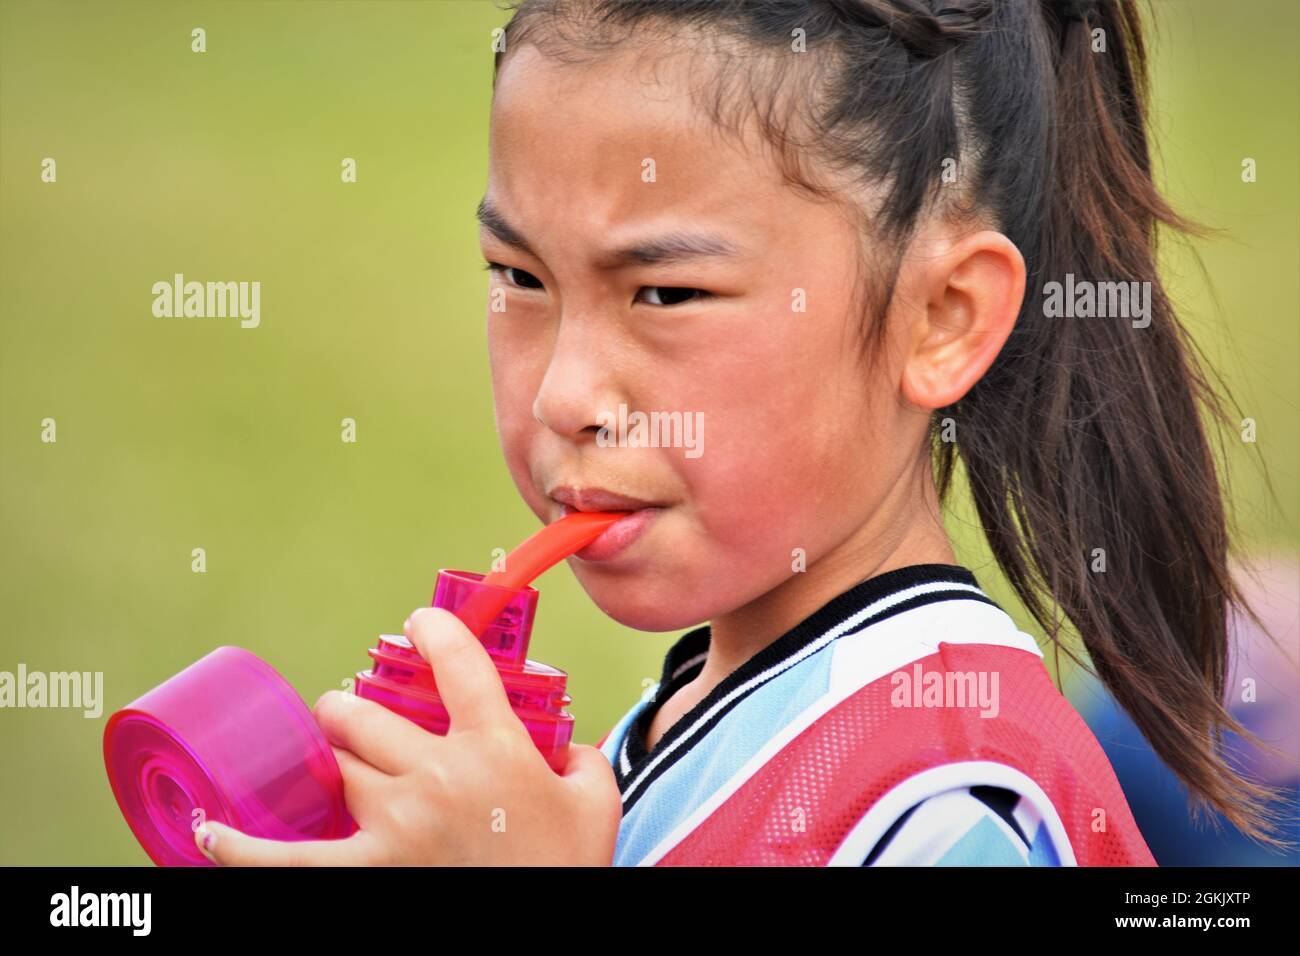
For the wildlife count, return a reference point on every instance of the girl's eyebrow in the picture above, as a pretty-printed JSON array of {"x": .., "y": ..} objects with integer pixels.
[
  {"x": 674, "y": 247},
  {"x": 490, "y": 218}
]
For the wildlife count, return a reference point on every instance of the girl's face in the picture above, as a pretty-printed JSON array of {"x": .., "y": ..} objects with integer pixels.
[{"x": 648, "y": 262}]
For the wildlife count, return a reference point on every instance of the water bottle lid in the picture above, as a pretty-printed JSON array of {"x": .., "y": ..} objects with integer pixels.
[
  {"x": 505, "y": 635},
  {"x": 227, "y": 739}
]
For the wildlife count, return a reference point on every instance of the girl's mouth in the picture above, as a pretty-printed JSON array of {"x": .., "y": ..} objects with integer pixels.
[{"x": 618, "y": 537}]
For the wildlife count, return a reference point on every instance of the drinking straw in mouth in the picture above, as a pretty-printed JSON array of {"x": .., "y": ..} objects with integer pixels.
[{"x": 539, "y": 552}]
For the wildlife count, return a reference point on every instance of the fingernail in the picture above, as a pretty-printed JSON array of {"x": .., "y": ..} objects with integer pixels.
[{"x": 207, "y": 840}]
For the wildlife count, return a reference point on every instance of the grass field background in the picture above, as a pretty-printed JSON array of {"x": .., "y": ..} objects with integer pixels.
[{"x": 175, "y": 434}]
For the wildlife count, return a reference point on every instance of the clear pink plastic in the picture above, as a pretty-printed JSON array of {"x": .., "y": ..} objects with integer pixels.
[
  {"x": 402, "y": 681},
  {"x": 507, "y": 631},
  {"x": 226, "y": 739}
]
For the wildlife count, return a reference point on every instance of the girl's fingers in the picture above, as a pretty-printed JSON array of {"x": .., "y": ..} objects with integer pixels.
[
  {"x": 364, "y": 787},
  {"x": 467, "y": 680},
  {"x": 385, "y": 740},
  {"x": 226, "y": 846}
]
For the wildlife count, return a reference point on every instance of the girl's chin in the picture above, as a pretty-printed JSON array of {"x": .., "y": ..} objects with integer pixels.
[{"x": 642, "y": 608}]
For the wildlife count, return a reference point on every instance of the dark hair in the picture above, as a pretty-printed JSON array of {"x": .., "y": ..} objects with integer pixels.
[{"x": 1084, "y": 434}]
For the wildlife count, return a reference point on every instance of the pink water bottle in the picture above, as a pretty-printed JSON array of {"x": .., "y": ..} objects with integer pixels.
[
  {"x": 402, "y": 680},
  {"x": 228, "y": 738}
]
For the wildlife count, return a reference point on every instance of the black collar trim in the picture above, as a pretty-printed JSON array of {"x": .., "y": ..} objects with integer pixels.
[{"x": 685, "y": 659}]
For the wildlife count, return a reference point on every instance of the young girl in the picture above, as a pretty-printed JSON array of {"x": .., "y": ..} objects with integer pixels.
[{"x": 831, "y": 231}]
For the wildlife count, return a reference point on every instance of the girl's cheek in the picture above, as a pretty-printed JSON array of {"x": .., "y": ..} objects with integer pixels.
[
  {"x": 516, "y": 433},
  {"x": 736, "y": 501},
  {"x": 780, "y": 493}
]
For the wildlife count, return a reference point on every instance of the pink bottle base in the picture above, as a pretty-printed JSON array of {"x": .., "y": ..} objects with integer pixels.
[{"x": 229, "y": 738}]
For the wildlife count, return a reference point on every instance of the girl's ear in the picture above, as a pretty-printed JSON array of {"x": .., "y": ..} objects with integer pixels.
[{"x": 970, "y": 295}]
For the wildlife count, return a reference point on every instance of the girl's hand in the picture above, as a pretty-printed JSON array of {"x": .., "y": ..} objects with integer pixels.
[{"x": 481, "y": 795}]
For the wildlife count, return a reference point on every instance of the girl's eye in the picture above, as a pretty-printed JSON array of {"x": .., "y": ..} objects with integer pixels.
[
  {"x": 673, "y": 295},
  {"x": 663, "y": 295},
  {"x": 521, "y": 278}
]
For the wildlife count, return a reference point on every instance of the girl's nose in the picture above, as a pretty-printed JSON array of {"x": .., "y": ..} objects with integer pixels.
[{"x": 580, "y": 382}]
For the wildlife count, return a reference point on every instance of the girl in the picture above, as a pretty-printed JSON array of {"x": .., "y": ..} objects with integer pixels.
[{"x": 830, "y": 230}]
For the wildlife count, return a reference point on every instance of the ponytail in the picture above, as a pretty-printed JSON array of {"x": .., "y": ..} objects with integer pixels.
[{"x": 1085, "y": 448}]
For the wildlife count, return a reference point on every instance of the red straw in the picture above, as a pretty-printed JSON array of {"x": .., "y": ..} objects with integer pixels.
[{"x": 536, "y": 554}]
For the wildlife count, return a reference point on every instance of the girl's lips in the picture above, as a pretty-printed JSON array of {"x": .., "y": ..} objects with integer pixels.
[{"x": 617, "y": 537}]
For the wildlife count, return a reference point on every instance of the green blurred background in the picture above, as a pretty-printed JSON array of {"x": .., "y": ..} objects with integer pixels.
[{"x": 175, "y": 434}]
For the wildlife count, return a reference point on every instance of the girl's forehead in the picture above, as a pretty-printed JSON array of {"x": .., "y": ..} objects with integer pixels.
[
  {"x": 617, "y": 104},
  {"x": 613, "y": 149}
]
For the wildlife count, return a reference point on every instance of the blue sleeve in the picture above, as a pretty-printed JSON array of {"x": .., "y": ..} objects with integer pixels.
[{"x": 966, "y": 826}]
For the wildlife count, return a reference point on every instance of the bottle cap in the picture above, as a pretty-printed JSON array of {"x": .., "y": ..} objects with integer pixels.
[{"x": 226, "y": 739}]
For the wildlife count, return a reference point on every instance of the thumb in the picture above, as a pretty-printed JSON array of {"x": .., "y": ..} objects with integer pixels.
[
  {"x": 589, "y": 770},
  {"x": 226, "y": 846}
]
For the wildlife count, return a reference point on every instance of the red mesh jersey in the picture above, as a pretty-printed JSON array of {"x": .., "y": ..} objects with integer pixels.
[{"x": 837, "y": 768}]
